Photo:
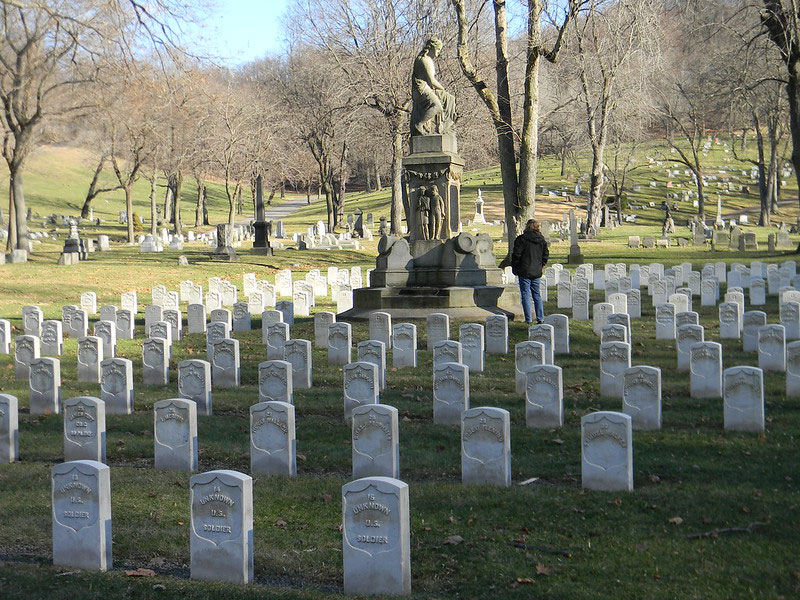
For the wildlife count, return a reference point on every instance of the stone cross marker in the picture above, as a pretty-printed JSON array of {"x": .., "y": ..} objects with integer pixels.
[
  {"x": 221, "y": 528},
  {"x": 376, "y": 448},
  {"x": 273, "y": 443},
  {"x": 81, "y": 503},
  {"x": 175, "y": 435},
  {"x": 486, "y": 446},
  {"x": 376, "y": 537},
  {"x": 85, "y": 429},
  {"x": 607, "y": 451}
]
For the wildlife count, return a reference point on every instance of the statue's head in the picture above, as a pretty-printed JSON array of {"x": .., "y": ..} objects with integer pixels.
[{"x": 434, "y": 46}]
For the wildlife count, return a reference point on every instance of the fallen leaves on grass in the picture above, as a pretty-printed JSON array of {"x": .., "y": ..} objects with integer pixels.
[
  {"x": 525, "y": 580},
  {"x": 676, "y": 520},
  {"x": 453, "y": 540},
  {"x": 280, "y": 523},
  {"x": 541, "y": 569},
  {"x": 558, "y": 441},
  {"x": 140, "y": 572}
]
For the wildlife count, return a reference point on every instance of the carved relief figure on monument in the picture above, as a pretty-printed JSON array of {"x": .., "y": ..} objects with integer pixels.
[
  {"x": 433, "y": 107},
  {"x": 437, "y": 210},
  {"x": 423, "y": 211}
]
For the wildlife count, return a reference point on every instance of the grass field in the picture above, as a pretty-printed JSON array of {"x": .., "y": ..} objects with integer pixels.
[{"x": 548, "y": 539}]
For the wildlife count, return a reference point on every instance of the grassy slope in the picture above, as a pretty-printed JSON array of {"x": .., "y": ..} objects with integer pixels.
[{"x": 619, "y": 545}]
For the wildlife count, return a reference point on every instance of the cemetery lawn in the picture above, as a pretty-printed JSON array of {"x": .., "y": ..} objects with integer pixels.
[{"x": 545, "y": 539}]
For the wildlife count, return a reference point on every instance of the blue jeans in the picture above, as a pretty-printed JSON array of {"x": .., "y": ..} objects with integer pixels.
[{"x": 528, "y": 288}]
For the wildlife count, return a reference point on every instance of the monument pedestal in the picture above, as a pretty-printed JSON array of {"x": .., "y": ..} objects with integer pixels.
[
  {"x": 458, "y": 277},
  {"x": 575, "y": 256},
  {"x": 433, "y": 177},
  {"x": 261, "y": 241}
]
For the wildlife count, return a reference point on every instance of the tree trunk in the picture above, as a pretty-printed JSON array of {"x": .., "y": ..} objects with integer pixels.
[
  {"x": 596, "y": 187},
  {"x": 239, "y": 204},
  {"x": 198, "y": 212},
  {"x": 504, "y": 126},
  {"x": 397, "y": 177},
  {"x": 308, "y": 194},
  {"x": 168, "y": 201},
  {"x": 283, "y": 190},
  {"x": 378, "y": 184},
  {"x": 763, "y": 190},
  {"x": 529, "y": 142},
  {"x": 11, "y": 243},
  {"x": 563, "y": 162},
  {"x": 92, "y": 192},
  {"x": 369, "y": 179},
  {"x": 701, "y": 196},
  {"x": 19, "y": 216},
  {"x": 231, "y": 203},
  {"x": 205, "y": 206},
  {"x": 153, "y": 205},
  {"x": 326, "y": 188},
  {"x": 129, "y": 210}
]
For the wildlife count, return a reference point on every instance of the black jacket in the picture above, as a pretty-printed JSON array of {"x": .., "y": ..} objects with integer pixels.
[{"x": 530, "y": 255}]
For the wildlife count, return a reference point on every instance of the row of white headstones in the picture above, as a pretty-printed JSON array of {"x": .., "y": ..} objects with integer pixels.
[{"x": 609, "y": 427}]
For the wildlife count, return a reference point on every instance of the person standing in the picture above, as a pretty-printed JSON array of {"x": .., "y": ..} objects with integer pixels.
[{"x": 528, "y": 258}]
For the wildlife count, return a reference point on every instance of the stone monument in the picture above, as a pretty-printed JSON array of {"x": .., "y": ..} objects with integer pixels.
[
  {"x": 575, "y": 256},
  {"x": 261, "y": 227},
  {"x": 436, "y": 267}
]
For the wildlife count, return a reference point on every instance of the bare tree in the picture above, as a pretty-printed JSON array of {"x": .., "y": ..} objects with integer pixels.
[
  {"x": 615, "y": 49},
  {"x": 239, "y": 129},
  {"x": 319, "y": 109},
  {"x": 52, "y": 49},
  {"x": 519, "y": 190}
]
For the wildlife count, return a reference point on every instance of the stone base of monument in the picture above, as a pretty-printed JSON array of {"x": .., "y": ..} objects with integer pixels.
[
  {"x": 575, "y": 256},
  {"x": 458, "y": 277},
  {"x": 225, "y": 253},
  {"x": 261, "y": 243}
]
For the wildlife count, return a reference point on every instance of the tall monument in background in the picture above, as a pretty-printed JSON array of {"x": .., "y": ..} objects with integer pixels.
[{"x": 436, "y": 267}]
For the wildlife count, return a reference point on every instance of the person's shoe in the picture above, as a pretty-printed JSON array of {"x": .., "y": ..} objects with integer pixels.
[{"x": 539, "y": 322}]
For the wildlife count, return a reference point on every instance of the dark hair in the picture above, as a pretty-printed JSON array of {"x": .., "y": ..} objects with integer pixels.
[{"x": 532, "y": 225}]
